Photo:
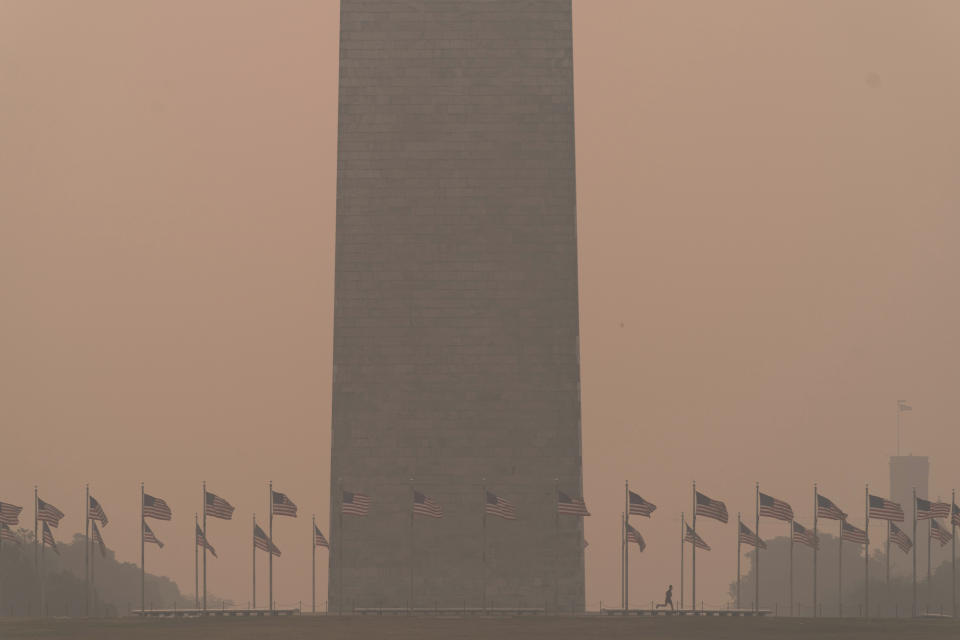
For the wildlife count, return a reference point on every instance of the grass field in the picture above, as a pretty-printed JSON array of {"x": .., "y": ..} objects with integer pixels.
[{"x": 430, "y": 628}]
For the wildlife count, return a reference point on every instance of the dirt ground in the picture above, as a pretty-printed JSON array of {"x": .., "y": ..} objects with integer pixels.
[{"x": 430, "y": 628}]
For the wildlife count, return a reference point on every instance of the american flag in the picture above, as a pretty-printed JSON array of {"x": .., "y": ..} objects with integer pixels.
[
  {"x": 95, "y": 512},
  {"x": 497, "y": 506},
  {"x": 48, "y": 538},
  {"x": 156, "y": 508},
  {"x": 425, "y": 506},
  {"x": 217, "y": 507},
  {"x": 749, "y": 538},
  {"x": 99, "y": 540},
  {"x": 955, "y": 519},
  {"x": 262, "y": 542},
  {"x": 850, "y": 533},
  {"x": 937, "y": 532},
  {"x": 640, "y": 507},
  {"x": 571, "y": 506},
  {"x": 695, "y": 539},
  {"x": 318, "y": 538},
  {"x": 203, "y": 542},
  {"x": 927, "y": 509},
  {"x": 826, "y": 509},
  {"x": 46, "y": 512},
  {"x": 8, "y": 535},
  {"x": 634, "y": 536},
  {"x": 711, "y": 508},
  {"x": 148, "y": 535},
  {"x": 355, "y": 504},
  {"x": 283, "y": 506},
  {"x": 770, "y": 507},
  {"x": 10, "y": 514},
  {"x": 883, "y": 509},
  {"x": 900, "y": 539},
  {"x": 903, "y": 406},
  {"x": 804, "y": 536}
]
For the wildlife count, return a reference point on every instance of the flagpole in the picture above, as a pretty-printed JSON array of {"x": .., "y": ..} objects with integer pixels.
[
  {"x": 340, "y": 545},
  {"x": 270, "y": 554},
  {"x": 915, "y": 544},
  {"x": 791, "y": 568},
  {"x": 92, "y": 558},
  {"x": 253, "y": 600},
  {"x": 413, "y": 498},
  {"x": 483, "y": 551},
  {"x": 36, "y": 530},
  {"x": 196, "y": 564},
  {"x": 86, "y": 550},
  {"x": 929, "y": 548},
  {"x": 953, "y": 551},
  {"x": 816, "y": 547},
  {"x": 739, "y": 524},
  {"x": 840, "y": 573},
  {"x": 626, "y": 546},
  {"x": 888, "y": 553},
  {"x": 683, "y": 532},
  {"x": 205, "y": 542},
  {"x": 556, "y": 545},
  {"x": 313, "y": 566},
  {"x": 142, "y": 554},
  {"x": 866, "y": 551},
  {"x": 756, "y": 552},
  {"x": 693, "y": 551}
]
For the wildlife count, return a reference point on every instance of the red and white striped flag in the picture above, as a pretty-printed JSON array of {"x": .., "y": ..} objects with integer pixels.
[
  {"x": 900, "y": 539},
  {"x": 634, "y": 536},
  {"x": 749, "y": 538},
  {"x": 804, "y": 536},
  {"x": 48, "y": 513},
  {"x": 10, "y": 514},
  {"x": 883, "y": 509},
  {"x": 148, "y": 535},
  {"x": 97, "y": 538},
  {"x": 262, "y": 542},
  {"x": 355, "y": 504},
  {"x": 500, "y": 507},
  {"x": 156, "y": 508},
  {"x": 828, "y": 510},
  {"x": 217, "y": 507},
  {"x": 851, "y": 533},
  {"x": 939, "y": 533},
  {"x": 283, "y": 506},
  {"x": 927, "y": 509},
  {"x": 318, "y": 538},
  {"x": 711, "y": 508},
  {"x": 203, "y": 542},
  {"x": 770, "y": 507},
  {"x": 48, "y": 538},
  {"x": 95, "y": 512},
  {"x": 7, "y": 535},
  {"x": 426, "y": 506},
  {"x": 639, "y": 506},
  {"x": 571, "y": 506},
  {"x": 955, "y": 518},
  {"x": 694, "y": 538}
]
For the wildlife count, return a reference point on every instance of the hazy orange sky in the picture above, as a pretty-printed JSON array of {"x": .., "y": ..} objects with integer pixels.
[{"x": 768, "y": 254}]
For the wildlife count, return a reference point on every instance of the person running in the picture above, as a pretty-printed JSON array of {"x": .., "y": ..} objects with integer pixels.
[{"x": 667, "y": 599}]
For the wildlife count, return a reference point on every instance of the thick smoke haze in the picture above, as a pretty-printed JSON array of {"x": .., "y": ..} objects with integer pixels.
[{"x": 768, "y": 257}]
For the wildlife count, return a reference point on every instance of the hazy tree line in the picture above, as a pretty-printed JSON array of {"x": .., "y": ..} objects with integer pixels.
[
  {"x": 886, "y": 599},
  {"x": 61, "y": 592}
]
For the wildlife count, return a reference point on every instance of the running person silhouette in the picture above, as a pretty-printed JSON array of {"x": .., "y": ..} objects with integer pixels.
[{"x": 667, "y": 599}]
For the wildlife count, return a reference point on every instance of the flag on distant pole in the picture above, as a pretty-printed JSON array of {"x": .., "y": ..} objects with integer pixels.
[
  {"x": 571, "y": 506},
  {"x": 156, "y": 508},
  {"x": 883, "y": 509},
  {"x": 639, "y": 506},
  {"x": 203, "y": 543},
  {"x": 710, "y": 508},
  {"x": 95, "y": 512},
  {"x": 217, "y": 507},
  {"x": 927, "y": 509},
  {"x": 262, "y": 542},
  {"x": 634, "y": 536},
  {"x": 805, "y": 536},
  {"x": 283, "y": 506},
  {"x": 749, "y": 538},
  {"x": 938, "y": 533},
  {"x": 828, "y": 510},
  {"x": 148, "y": 535},
  {"x": 500, "y": 507},
  {"x": 7, "y": 534},
  {"x": 900, "y": 539},
  {"x": 694, "y": 538},
  {"x": 10, "y": 514},
  {"x": 851, "y": 533},
  {"x": 48, "y": 513},
  {"x": 903, "y": 406},
  {"x": 770, "y": 507},
  {"x": 318, "y": 539},
  {"x": 99, "y": 540},
  {"x": 424, "y": 505},
  {"x": 355, "y": 504},
  {"x": 955, "y": 518},
  {"x": 48, "y": 538}
]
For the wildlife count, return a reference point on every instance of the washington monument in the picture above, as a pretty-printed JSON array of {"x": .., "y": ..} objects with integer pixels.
[{"x": 456, "y": 333}]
